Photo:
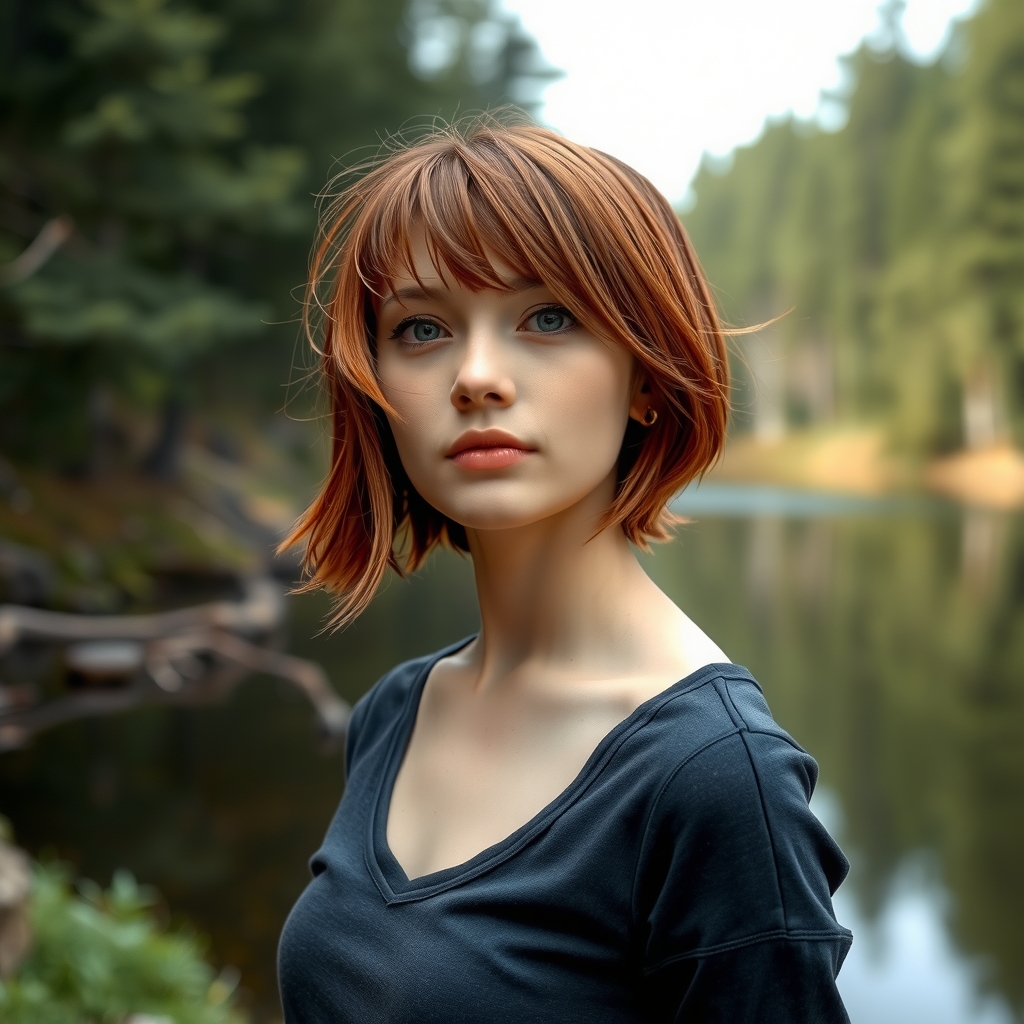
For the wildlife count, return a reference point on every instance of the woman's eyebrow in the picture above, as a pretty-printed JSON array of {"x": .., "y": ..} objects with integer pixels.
[
  {"x": 517, "y": 284},
  {"x": 412, "y": 292}
]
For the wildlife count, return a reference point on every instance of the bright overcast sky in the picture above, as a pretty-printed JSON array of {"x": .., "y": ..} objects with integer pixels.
[{"x": 659, "y": 82}]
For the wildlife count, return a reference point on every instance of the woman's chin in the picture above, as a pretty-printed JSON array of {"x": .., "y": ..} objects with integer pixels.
[
  {"x": 496, "y": 519},
  {"x": 498, "y": 514}
]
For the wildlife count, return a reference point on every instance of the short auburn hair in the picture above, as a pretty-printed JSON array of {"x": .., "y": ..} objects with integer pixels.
[{"x": 595, "y": 232}]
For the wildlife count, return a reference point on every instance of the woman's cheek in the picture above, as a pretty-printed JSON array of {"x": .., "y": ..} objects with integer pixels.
[
  {"x": 412, "y": 405},
  {"x": 591, "y": 449},
  {"x": 593, "y": 413},
  {"x": 418, "y": 448}
]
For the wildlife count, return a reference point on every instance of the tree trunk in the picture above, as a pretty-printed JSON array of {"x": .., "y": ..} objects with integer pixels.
[
  {"x": 980, "y": 409},
  {"x": 164, "y": 458}
]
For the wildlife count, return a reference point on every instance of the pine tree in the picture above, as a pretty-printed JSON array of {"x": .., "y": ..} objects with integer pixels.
[
  {"x": 899, "y": 239},
  {"x": 119, "y": 135},
  {"x": 983, "y": 304},
  {"x": 158, "y": 163}
]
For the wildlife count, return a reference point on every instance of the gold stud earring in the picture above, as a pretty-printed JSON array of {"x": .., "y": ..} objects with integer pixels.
[{"x": 650, "y": 417}]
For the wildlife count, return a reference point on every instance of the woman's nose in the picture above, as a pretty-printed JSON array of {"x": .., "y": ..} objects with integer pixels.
[{"x": 483, "y": 379}]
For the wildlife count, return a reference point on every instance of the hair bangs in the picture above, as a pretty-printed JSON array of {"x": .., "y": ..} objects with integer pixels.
[{"x": 442, "y": 205}]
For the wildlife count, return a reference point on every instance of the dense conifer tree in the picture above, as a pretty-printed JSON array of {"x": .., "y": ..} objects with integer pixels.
[
  {"x": 898, "y": 240},
  {"x": 158, "y": 160}
]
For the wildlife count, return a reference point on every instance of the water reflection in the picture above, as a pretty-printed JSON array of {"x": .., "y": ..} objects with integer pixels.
[
  {"x": 889, "y": 640},
  {"x": 903, "y": 967}
]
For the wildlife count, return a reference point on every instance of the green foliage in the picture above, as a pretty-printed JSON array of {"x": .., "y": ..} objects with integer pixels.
[
  {"x": 100, "y": 956},
  {"x": 899, "y": 239},
  {"x": 182, "y": 141},
  {"x": 117, "y": 119}
]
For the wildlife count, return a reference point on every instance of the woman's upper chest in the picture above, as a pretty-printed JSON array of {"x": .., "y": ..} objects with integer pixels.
[{"x": 478, "y": 766}]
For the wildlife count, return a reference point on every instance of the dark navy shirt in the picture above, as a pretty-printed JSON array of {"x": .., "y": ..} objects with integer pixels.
[{"x": 680, "y": 877}]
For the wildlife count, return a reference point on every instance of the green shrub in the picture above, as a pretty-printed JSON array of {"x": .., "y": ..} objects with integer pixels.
[{"x": 100, "y": 957}]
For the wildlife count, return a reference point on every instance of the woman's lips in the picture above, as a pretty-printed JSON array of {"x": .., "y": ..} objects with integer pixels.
[
  {"x": 488, "y": 458},
  {"x": 487, "y": 449}
]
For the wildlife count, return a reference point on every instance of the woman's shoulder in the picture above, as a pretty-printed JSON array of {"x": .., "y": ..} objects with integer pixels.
[
  {"x": 716, "y": 754},
  {"x": 696, "y": 714}
]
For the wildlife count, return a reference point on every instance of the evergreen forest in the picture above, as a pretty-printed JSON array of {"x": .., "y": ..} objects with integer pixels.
[
  {"x": 158, "y": 167},
  {"x": 896, "y": 243}
]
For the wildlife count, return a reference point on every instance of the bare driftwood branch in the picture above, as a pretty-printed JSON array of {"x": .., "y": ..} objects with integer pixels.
[
  {"x": 261, "y": 610},
  {"x": 308, "y": 676},
  {"x": 192, "y": 655},
  {"x": 52, "y": 236}
]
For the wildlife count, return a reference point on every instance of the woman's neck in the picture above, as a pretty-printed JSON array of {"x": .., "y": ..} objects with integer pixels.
[{"x": 557, "y": 598}]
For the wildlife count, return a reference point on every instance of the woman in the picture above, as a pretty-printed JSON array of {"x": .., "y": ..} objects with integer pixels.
[{"x": 585, "y": 812}]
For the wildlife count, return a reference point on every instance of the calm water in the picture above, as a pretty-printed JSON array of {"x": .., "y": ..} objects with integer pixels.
[{"x": 889, "y": 640}]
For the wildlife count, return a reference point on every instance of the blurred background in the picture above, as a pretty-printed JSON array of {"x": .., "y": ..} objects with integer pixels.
[{"x": 860, "y": 547}]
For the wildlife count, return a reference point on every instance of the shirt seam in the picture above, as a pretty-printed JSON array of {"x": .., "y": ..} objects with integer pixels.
[
  {"x": 738, "y": 730},
  {"x": 741, "y": 721},
  {"x": 779, "y": 735},
  {"x": 767, "y": 826},
  {"x": 774, "y": 935},
  {"x": 744, "y": 733},
  {"x": 661, "y": 792}
]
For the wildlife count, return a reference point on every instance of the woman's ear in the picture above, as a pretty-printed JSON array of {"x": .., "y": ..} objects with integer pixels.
[{"x": 641, "y": 404}]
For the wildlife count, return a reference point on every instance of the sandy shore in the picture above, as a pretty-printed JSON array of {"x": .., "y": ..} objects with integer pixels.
[{"x": 856, "y": 461}]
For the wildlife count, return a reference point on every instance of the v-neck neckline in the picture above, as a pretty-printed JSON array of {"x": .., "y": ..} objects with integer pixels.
[{"x": 388, "y": 874}]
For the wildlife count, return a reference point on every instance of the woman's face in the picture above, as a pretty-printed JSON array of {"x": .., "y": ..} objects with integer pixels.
[{"x": 508, "y": 410}]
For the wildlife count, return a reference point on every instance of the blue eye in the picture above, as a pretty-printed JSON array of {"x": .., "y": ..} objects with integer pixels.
[
  {"x": 424, "y": 330},
  {"x": 550, "y": 321},
  {"x": 417, "y": 332}
]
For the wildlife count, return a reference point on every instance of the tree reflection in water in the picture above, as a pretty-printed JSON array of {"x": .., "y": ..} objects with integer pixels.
[{"x": 890, "y": 645}]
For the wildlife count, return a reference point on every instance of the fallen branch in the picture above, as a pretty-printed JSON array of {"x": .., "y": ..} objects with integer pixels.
[
  {"x": 260, "y": 611},
  {"x": 51, "y": 237},
  {"x": 187, "y": 656}
]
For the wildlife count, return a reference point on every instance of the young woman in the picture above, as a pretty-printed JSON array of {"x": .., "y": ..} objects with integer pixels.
[{"x": 585, "y": 813}]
